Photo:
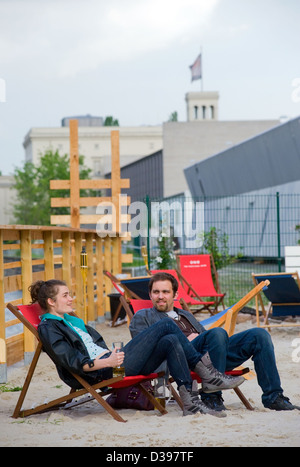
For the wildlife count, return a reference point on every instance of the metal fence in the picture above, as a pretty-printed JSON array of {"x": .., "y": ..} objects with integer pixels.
[{"x": 256, "y": 230}]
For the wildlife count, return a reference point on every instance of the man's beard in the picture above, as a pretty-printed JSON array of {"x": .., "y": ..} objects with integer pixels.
[{"x": 162, "y": 306}]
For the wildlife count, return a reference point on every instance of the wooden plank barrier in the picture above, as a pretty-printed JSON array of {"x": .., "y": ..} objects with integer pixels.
[
  {"x": 29, "y": 253},
  {"x": 55, "y": 252}
]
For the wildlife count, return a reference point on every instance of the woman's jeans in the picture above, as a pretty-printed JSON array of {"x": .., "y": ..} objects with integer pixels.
[
  {"x": 161, "y": 341},
  {"x": 227, "y": 353}
]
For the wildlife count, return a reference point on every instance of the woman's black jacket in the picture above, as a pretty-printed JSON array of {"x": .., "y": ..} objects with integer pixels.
[{"x": 67, "y": 350}]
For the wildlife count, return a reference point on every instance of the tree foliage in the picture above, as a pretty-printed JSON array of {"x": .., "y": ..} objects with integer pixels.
[
  {"x": 32, "y": 184},
  {"x": 173, "y": 117},
  {"x": 215, "y": 243},
  {"x": 111, "y": 121}
]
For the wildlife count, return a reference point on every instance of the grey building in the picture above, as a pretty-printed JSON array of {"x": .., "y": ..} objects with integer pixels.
[
  {"x": 252, "y": 191},
  {"x": 268, "y": 160},
  {"x": 146, "y": 177}
]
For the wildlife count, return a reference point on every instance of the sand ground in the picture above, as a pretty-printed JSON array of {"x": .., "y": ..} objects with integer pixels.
[{"x": 89, "y": 425}]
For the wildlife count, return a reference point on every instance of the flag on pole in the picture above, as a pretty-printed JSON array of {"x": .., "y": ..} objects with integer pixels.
[{"x": 196, "y": 68}]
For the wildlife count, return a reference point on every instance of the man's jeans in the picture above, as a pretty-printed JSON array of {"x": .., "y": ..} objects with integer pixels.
[
  {"x": 227, "y": 353},
  {"x": 161, "y": 341}
]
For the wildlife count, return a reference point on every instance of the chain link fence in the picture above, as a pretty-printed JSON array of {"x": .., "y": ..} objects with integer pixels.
[{"x": 251, "y": 232}]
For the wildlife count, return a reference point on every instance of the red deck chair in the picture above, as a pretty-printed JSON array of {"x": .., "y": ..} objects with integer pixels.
[
  {"x": 185, "y": 299},
  {"x": 196, "y": 274},
  {"x": 29, "y": 315}
]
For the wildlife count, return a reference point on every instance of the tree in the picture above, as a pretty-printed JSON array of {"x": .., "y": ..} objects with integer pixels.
[
  {"x": 173, "y": 117},
  {"x": 111, "y": 121},
  {"x": 32, "y": 184},
  {"x": 215, "y": 243}
]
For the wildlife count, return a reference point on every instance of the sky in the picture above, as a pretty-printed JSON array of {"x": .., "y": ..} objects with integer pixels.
[{"x": 131, "y": 58}]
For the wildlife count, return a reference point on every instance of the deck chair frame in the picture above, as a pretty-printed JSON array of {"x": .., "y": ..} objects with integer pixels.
[
  {"x": 218, "y": 296},
  {"x": 226, "y": 319},
  {"x": 125, "y": 295},
  {"x": 266, "y": 310},
  {"x": 93, "y": 391}
]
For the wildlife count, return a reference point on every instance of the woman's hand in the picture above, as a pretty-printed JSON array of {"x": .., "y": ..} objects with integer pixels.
[{"x": 115, "y": 359}]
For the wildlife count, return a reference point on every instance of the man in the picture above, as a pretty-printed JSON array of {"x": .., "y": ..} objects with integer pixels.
[{"x": 226, "y": 353}]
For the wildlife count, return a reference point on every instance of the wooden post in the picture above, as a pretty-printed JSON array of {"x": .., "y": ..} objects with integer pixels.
[
  {"x": 74, "y": 175},
  {"x": 78, "y": 276},
  {"x": 90, "y": 278},
  {"x": 116, "y": 193},
  {"x": 99, "y": 277},
  {"x": 107, "y": 267},
  {"x": 75, "y": 218},
  {"x": 115, "y": 176},
  {"x": 115, "y": 255},
  {"x": 26, "y": 264},
  {"x": 66, "y": 258},
  {"x": 3, "y": 358},
  {"x": 48, "y": 254}
]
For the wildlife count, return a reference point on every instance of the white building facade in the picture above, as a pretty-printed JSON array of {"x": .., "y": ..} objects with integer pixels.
[{"x": 95, "y": 144}]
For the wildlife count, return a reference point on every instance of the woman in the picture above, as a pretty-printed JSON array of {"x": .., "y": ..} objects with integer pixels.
[{"x": 75, "y": 347}]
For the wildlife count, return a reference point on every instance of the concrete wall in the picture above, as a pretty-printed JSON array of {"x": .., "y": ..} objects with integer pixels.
[{"x": 187, "y": 143}]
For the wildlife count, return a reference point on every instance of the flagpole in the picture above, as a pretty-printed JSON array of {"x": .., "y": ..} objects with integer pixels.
[{"x": 201, "y": 52}]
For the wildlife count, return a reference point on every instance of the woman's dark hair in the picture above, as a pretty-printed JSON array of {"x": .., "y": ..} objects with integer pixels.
[
  {"x": 164, "y": 276},
  {"x": 40, "y": 291}
]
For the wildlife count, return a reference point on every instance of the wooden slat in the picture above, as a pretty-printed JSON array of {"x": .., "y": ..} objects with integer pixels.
[
  {"x": 99, "y": 276},
  {"x": 127, "y": 257},
  {"x": 12, "y": 322},
  {"x": 15, "y": 349},
  {"x": 29, "y": 343},
  {"x": 2, "y": 309},
  {"x": 15, "y": 264},
  {"x": 12, "y": 283},
  {"x": 83, "y": 202},
  {"x": 90, "y": 279},
  {"x": 11, "y": 246},
  {"x": 65, "y": 219},
  {"x": 99, "y": 184},
  {"x": 66, "y": 261},
  {"x": 74, "y": 175},
  {"x": 48, "y": 255}
]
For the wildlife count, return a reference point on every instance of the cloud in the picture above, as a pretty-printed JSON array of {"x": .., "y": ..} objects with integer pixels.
[{"x": 70, "y": 37}]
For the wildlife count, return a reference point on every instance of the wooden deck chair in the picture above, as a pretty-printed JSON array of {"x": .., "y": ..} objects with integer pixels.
[
  {"x": 29, "y": 315},
  {"x": 184, "y": 298},
  {"x": 226, "y": 319},
  {"x": 136, "y": 287},
  {"x": 196, "y": 275},
  {"x": 283, "y": 294}
]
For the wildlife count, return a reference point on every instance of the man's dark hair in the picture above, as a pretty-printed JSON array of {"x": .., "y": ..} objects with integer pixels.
[{"x": 164, "y": 276}]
